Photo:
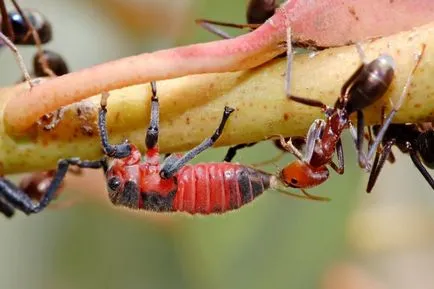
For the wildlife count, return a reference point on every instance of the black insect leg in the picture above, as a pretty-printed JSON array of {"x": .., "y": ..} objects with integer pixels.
[
  {"x": 417, "y": 162},
  {"x": 380, "y": 159},
  {"x": 395, "y": 108},
  {"x": 170, "y": 168},
  {"x": 340, "y": 167},
  {"x": 6, "y": 209},
  {"x": 114, "y": 151},
  {"x": 232, "y": 151},
  {"x": 360, "y": 138},
  {"x": 312, "y": 102},
  {"x": 211, "y": 26},
  {"x": 21, "y": 201},
  {"x": 152, "y": 131},
  {"x": 6, "y": 25}
]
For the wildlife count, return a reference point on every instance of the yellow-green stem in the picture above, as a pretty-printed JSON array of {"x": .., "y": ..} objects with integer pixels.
[{"x": 191, "y": 107}]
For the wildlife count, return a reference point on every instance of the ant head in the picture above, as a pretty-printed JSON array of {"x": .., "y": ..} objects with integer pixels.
[{"x": 300, "y": 175}]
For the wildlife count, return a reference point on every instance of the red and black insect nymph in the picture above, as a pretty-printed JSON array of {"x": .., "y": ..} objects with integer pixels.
[{"x": 174, "y": 185}]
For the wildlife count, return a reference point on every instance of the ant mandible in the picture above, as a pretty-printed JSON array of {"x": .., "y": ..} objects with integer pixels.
[
  {"x": 417, "y": 140},
  {"x": 368, "y": 84}
]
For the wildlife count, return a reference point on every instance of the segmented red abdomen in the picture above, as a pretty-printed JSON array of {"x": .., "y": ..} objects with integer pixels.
[{"x": 217, "y": 187}]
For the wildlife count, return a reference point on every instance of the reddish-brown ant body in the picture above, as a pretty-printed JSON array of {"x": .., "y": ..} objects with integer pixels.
[{"x": 368, "y": 84}]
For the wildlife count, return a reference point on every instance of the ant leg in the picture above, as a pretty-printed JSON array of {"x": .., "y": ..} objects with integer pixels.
[
  {"x": 21, "y": 201},
  {"x": 360, "y": 138},
  {"x": 6, "y": 209},
  {"x": 170, "y": 168},
  {"x": 339, "y": 168},
  {"x": 380, "y": 159},
  {"x": 288, "y": 62},
  {"x": 417, "y": 162},
  {"x": 340, "y": 103},
  {"x": 18, "y": 57},
  {"x": 6, "y": 25},
  {"x": 289, "y": 147},
  {"x": 115, "y": 151},
  {"x": 232, "y": 151},
  {"x": 211, "y": 26},
  {"x": 312, "y": 102},
  {"x": 395, "y": 107},
  {"x": 312, "y": 138}
]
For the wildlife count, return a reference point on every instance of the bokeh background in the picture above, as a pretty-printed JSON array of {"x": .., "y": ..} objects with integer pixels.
[{"x": 382, "y": 240}]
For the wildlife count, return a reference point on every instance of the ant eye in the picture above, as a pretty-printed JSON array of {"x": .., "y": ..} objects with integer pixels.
[
  {"x": 114, "y": 183},
  {"x": 294, "y": 181}
]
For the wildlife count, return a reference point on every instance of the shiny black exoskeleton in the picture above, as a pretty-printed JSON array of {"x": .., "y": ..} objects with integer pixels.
[
  {"x": 417, "y": 140},
  {"x": 21, "y": 33}
]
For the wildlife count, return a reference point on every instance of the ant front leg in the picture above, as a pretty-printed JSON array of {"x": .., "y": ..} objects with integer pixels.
[
  {"x": 340, "y": 167},
  {"x": 114, "y": 151},
  {"x": 170, "y": 167},
  {"x": 12, "y": 197}
]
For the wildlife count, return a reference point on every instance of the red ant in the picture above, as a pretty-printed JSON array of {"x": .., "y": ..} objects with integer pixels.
[
  {"x": 172, "y": 186},
  {"x": 417, "y": 140},
  {"x": 368, "y": 84}
]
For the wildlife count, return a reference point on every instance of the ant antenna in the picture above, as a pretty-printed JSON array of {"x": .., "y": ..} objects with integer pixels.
[
  {"x": 18, "y": 57},
  {"x": 361, "y": 52}
]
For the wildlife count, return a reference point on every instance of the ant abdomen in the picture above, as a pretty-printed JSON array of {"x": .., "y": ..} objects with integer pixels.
[
  {"x": 425, "y": 147},
  {"x": 21, "y": 30},
  {"x": 56, "y": 63},
  {"x": 259, "y": 11},
  {"x": 371, "y": 84}
]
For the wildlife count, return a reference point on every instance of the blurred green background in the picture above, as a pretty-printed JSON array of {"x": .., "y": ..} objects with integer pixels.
[{"x": 276, "y": 242}]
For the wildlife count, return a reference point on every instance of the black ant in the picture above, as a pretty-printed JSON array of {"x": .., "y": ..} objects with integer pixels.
[
  {"x": 368, "y": 84},
  {"x": 417, "y": 140},
  {"x": 26, "y": 27}
]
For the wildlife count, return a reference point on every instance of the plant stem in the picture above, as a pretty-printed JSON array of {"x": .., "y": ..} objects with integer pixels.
[{"x": 191, "y": 106}]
